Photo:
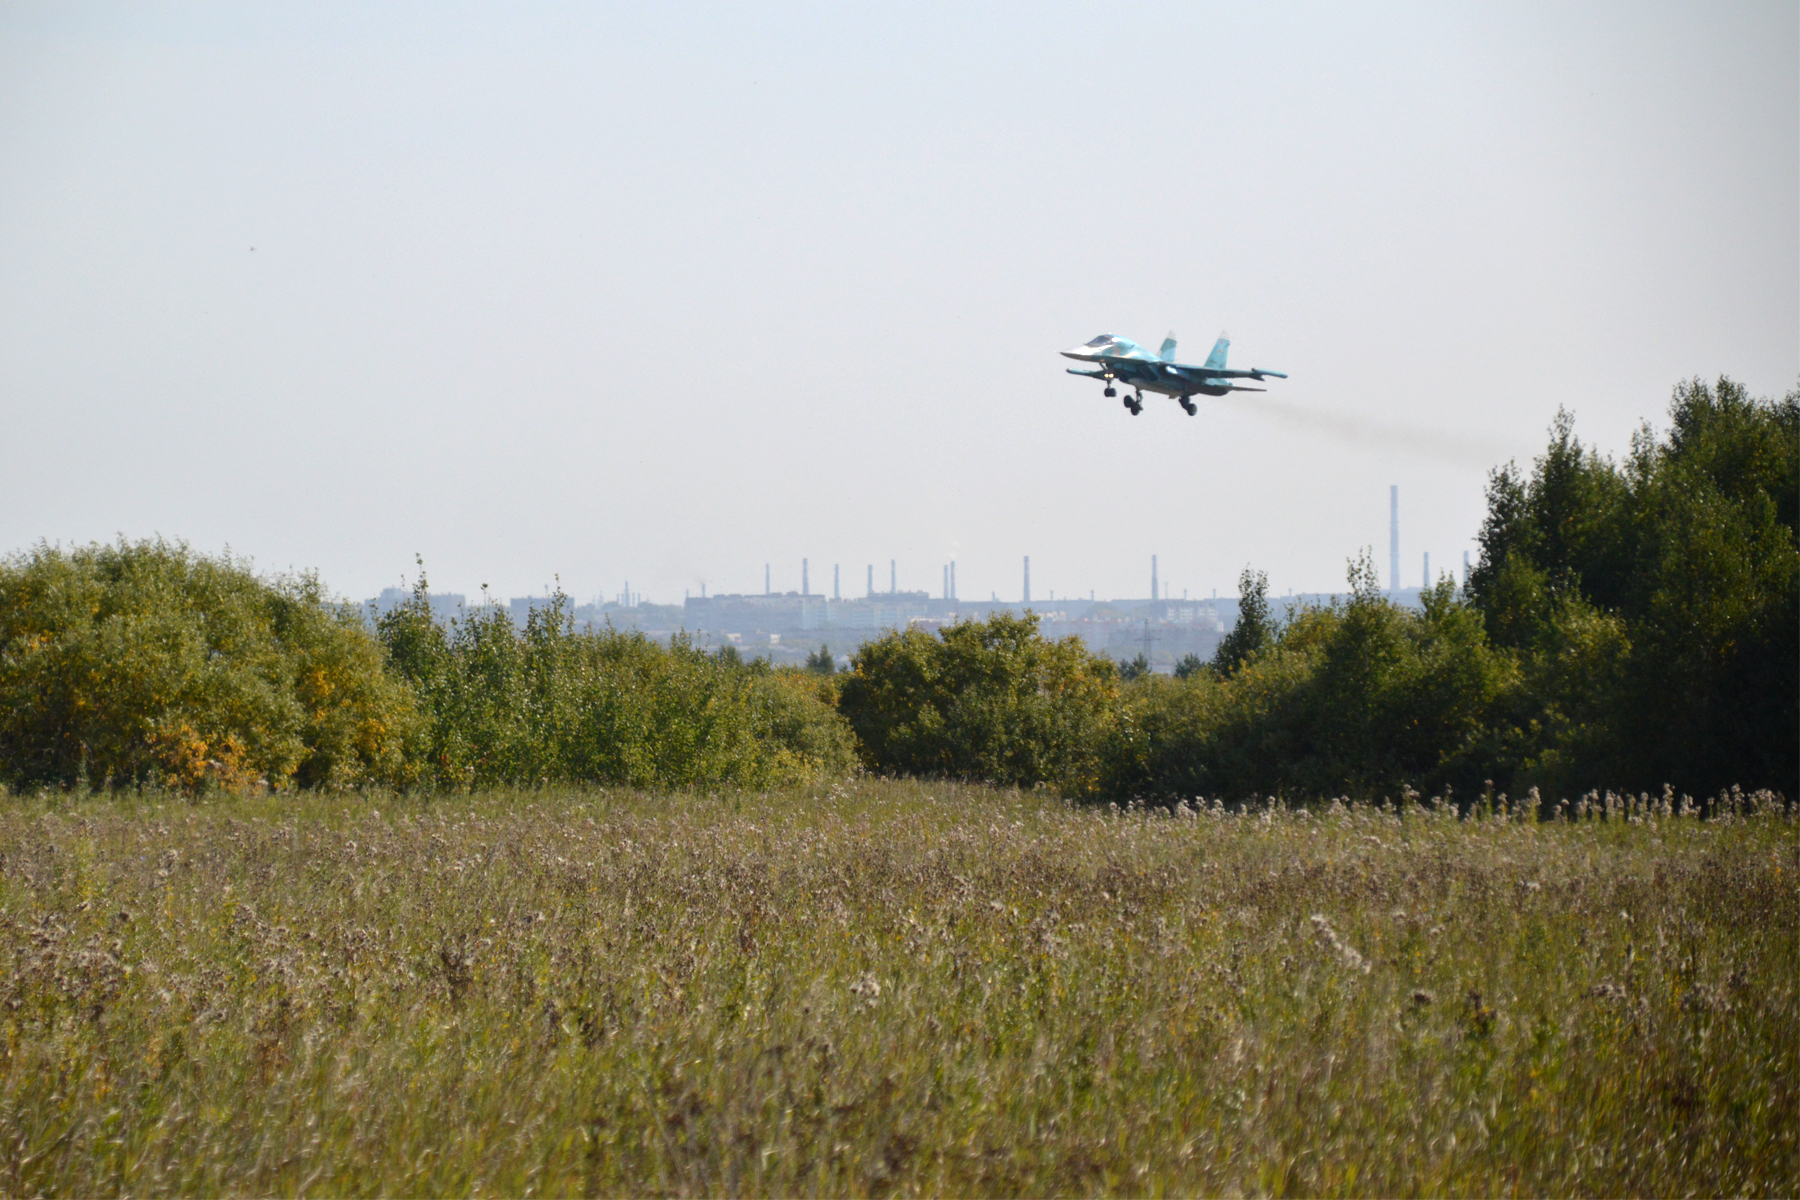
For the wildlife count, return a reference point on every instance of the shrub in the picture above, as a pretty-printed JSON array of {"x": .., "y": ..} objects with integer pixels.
[
  {"x": 146, "y": 663},
  {"x": 982, "y": 700},
  {"x": 546, "y": 703},
  {"x": 1363, "y": 697}
]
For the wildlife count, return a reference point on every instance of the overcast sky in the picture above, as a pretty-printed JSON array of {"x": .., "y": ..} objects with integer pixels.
[{"x": 665, "y": 292}]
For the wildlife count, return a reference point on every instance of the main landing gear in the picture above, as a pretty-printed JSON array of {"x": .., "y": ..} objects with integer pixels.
[
  {"x": 1135, "y": 403},
  {"x": 1189, "y": 405}
]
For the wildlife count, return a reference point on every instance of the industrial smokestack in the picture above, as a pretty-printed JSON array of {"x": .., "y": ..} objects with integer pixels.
[
  {"x": 1426, "y": 586},
  {"x": 1393, "y": 537},
  {"x": 1027, "y": 599},
  {"x": 765, "y": 579},
  {"x": 1153, "y": 595},
  {"x": 871, "y": 581},
  {"x": 805, "y": 579},
  {"x": 834, "y": 582},
  {"x": 946, "y": 581},
  {"x": 893, "y": 576}
]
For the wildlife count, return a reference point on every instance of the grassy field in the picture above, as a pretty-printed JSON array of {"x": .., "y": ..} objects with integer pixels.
[{"x": 891, "y": 988}]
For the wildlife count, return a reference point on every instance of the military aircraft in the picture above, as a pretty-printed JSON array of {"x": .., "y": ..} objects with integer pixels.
[{"x": 1124, "y": 361}]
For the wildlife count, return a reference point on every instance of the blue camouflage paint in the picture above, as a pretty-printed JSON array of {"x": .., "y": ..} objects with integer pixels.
[{"x": 1122, "y": 360}]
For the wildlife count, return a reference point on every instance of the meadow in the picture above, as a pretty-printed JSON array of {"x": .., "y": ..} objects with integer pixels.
[{"x": 875, "y": 987}]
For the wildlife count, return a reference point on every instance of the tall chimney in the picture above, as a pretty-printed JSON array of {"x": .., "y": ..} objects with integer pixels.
[
  {"x": 1027, "y": 599},
  {"x": 765, "y": 579},
  {"x": 1426, "y": 586},
  {"x": 1153, "y": 595},
  {"x": 805, "y": 578},
  {"x": 834, "y": 582},
  {"x": 871, "y": 581},
  {"x": 893, "y": 576},
  {"x": 946, "y": 581},
  {"x": 1393, "y": 537}
]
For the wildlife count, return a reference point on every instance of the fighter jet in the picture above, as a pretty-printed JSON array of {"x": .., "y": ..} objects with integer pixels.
[{"x": 1124, "y": 361}]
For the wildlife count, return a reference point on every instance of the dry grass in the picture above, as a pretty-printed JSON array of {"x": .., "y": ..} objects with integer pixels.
[{"x": 890, "y": 988}]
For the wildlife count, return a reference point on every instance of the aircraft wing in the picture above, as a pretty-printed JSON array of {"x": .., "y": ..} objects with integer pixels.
[{"x": 1222, "y": 373}]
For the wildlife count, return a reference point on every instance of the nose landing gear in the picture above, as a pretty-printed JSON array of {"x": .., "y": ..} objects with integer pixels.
[{"x": 1110, "y": 391}]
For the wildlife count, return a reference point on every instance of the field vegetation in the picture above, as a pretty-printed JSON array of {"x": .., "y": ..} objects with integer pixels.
[{"x": 893, "y": 988}]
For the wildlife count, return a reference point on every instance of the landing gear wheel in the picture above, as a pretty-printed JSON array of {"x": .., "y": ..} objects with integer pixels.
[
  {"x": 1110, "y": 392},
  {"x": 1189, "y": 405},
  {"x": 1136, "y": 407},
  {"x": 1126, "y": 402}
]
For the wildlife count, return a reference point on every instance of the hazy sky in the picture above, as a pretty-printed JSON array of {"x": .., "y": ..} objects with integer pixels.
[{"x": 665, "y": 292}]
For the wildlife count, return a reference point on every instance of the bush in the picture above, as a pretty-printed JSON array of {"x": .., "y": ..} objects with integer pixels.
[
  {"x": 546, "y": 703},
  {"x": 1363, "y": 698},
  {"x": 146, "y": 663},
  {"x": 983, "y": 700}
]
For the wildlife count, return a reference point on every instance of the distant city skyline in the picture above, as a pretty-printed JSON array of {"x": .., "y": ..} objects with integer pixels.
[
  {"x": 1157, "y": 587},
  {"x": 1166, "y": 592}
]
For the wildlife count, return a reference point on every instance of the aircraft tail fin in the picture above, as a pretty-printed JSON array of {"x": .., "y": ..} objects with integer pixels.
[
  {"x": 1219, "y": 350},
  {"x": 1168, "y": 348}
]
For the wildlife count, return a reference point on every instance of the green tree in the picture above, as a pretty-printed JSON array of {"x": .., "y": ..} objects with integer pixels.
[
  {"x": 820, "y": 661},
  {"x": 990, "y": 700},
  {"x": 1254, "y": 630},
  {"x": 1713, "y": 614},
  {"x": 1189, "y": 665},
  {"x": 1656, "y": 605}
]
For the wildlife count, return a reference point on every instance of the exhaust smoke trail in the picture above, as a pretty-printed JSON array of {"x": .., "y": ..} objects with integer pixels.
[{"x": 1451, "y": 447}]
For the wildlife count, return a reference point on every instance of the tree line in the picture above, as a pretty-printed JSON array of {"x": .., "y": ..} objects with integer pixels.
[{"x": 1630, "y": 625}]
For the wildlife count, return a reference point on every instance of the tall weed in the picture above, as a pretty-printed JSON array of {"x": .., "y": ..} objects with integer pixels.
[{"x": 893, "y": 988}]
